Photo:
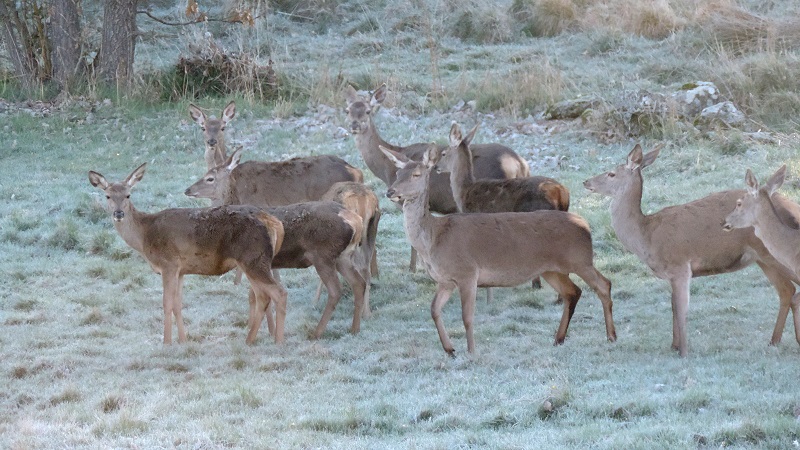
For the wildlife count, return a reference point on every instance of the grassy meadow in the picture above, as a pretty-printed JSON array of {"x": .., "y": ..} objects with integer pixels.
[{"x": 83, "y": 364}]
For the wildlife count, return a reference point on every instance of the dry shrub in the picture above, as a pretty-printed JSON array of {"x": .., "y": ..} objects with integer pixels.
[
  {"x": 212, "y": 70},
  {"x": 518, "y": 92},
  {"x": 652, "y": 20},
  {"x": 481, "y": 22},
  {"x": 544, "y": 17},
  {"x": 740, "y": 31}
]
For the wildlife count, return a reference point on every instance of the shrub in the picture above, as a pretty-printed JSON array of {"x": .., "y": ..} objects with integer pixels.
[{"x": 544, "y": 17}]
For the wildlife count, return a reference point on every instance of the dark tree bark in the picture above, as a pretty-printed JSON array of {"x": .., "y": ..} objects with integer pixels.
[
  {"x": 15, "y": 37},
  {"x": 65, "y": 23},
  {"x": 118, "y": 41}
]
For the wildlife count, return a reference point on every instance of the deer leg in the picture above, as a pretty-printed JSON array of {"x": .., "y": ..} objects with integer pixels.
[
  {"x": 571, "y": 293},
  {"x": 277, "y": 294},
  {"x": 177, "y": 310},
  {"x": 359, "y": 286},
  {"x": 467, "y": 291},
  {"x": 602, "y": 287},
  {"x": 254, "y": 312},
  {"x": 237, "y": 277},
  {"x": 328, "y": 276},
  {"x": 489, "y": 295},
  {"x": 373, "y": 264},
  {"x": 443, "y": 293},
  {"x": 412, "y": 265},
  {"x": 319, "y": 292},
  {"x": 786, "y": 292},
  {"x": 680, "y": 309},
  {"x": 169, "y": 282},
  {"x": 796, "y": 315}
]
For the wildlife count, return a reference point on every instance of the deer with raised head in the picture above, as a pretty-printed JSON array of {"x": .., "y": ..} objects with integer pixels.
[
  {"x": 322, "y": 234},
  {"x": 214, "y": 132},
  {"x": 490, "y": 160},
  {"x": 685, "y": 241},
  {"x": 360, "y": 199},
  {"x": 202, "y": 241},
  {"x": 776, "y": 221},
  {"x": 467, "y": 251},
  {"x": 523, "y": 194}
]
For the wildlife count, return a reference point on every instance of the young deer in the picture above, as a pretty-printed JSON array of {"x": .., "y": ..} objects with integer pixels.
[
  {"x": 776, "y": 221},
  {"x": 204, "y": 241},
  {"x": 360, "y": 199},
  {"x": 685, "y": 241},
  {"x": 322, "y": 234},
  {"x": 467, "y": 251},
  {"x": 490, "y": 160},
  {"x": 214, "y": 132}
]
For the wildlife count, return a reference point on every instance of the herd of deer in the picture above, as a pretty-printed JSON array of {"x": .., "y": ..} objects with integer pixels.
[{"x": 512, "y": 227}]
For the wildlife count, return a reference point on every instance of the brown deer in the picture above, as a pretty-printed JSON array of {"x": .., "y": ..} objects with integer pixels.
[
  {"x": 467, "y": 251},
  {"x": 214, "y": 132},
  {"x": 490, "y": 160},
  {"x": 685, "y": 241},
  {"x": 360, "y": 199},
  {"x": 776, "y": 221},
  {"x": 322, "y": 234},
  {"x": 523, "y": 194},
  {"x": 202, "y": 241}
]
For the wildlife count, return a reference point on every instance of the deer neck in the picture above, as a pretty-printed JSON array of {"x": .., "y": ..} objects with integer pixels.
[
  {"x": 418, "y": 222},
  {"x": 628, "y": 221},
  {"x": 216, "y": 155},
  {"x": 462, "y": 176},
  {"x": 368, "y": 143},
  {"x": 132, "y": 229},
  {"x": 779, "y": 239}
]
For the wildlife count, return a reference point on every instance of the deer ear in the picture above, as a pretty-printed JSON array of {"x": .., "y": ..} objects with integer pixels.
[
  {"x": 776, "y": 180},
  {"x": 229, "y": 112},
  {"x": 197, "y": 115},
  {"x": 751, "y": 182},
  {"x": 378, "y": 96},
  {"x": 455, "y": 135},
  {"x": 468, "y": 138},
  {"x": 400, "y": 161},
  {"x": 233, "y": 161},
  {"x": 635, "y": 158},
  {"x": 651, "y": 156},
  {"x": 431, "y": 156},
  {"x": 350, "y": 95},
  {"x": 98, "y": 180},
  {"x": 136, "y": 175}
]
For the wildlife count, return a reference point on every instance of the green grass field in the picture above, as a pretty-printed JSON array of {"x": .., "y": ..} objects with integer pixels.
[{"x": 83, "y": 364}]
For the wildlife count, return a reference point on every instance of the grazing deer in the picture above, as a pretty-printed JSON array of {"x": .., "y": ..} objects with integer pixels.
[
  {"x": 490, "y": 160},
  {"x": 776, "y": 221},
  {"x": 202, "y": 241},
  {"x": 523, "y": 194},
  {"x": 360, "y": 199},
  {"x": 467, "y": 251},
  {"x": 322, "y": 234},
  {"x": 214, "y": 132},
  {"x": 685, "y": 241}
]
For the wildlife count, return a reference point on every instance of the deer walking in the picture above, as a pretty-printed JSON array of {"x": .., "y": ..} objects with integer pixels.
[
  {"x": 467, "y": 251},
  {"x": 323, "y": 234},
  {"x": 776, "y": 221},
  {"x": 490, "y": 160},
  {"x": 214, "y": 132},
  {"x": 685, "y": 241},
  {"x": 202, "y": 241}
]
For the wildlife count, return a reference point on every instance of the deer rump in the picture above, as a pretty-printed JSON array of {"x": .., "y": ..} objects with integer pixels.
[{"x": 524, "y": 246}]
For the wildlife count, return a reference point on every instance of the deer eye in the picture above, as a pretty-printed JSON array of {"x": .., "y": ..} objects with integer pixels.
[
  {"x": 611, "y": 174},
  {"x": 210, "y": 180},
  {"x": 738, "y": 203},
  {"x": 128, "y": 196},
  {"x": 108, "y": 197}
]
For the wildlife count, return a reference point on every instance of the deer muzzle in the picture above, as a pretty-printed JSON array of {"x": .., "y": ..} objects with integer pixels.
[{"x": 118, "y": 215}]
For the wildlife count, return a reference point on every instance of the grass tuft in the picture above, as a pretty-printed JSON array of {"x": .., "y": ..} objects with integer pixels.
[
  {"x": 543, "y": 18},
  {"x": 66, "y": 236},
  {"x": 111, "y": 403},
  {"x": 70, "y": 395},
  {"x": 93, "y": 318}
]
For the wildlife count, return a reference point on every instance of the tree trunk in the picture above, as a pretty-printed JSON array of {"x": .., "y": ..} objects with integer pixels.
[
  {"x": 15, "y": 37},
  {"x": 118, "y": 42},
  {"x": 65, "y": 22}
]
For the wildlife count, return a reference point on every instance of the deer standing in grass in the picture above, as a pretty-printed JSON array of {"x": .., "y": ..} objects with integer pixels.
[
  {"x": 490, "y": 160},
  {"x": 467, "y": 251},
  {"x": 776, "y": 221},
  {"x": 202, "y": 241},
  {"x": 360, "y": 199},
  {"x": 523, "y": 194},
  {"x": 685, "y": 241},
  {"x": 214, "y": 132},
  {"x": 322, "y": 234}
]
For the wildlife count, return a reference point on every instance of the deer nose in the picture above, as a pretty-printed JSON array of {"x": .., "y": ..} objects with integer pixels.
[
  {"x": 118, "y": 216},
  {"x": 390, "y": 193},
  {"x": 354, "y": 128},
  {"x": 212, "y": 142}
]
